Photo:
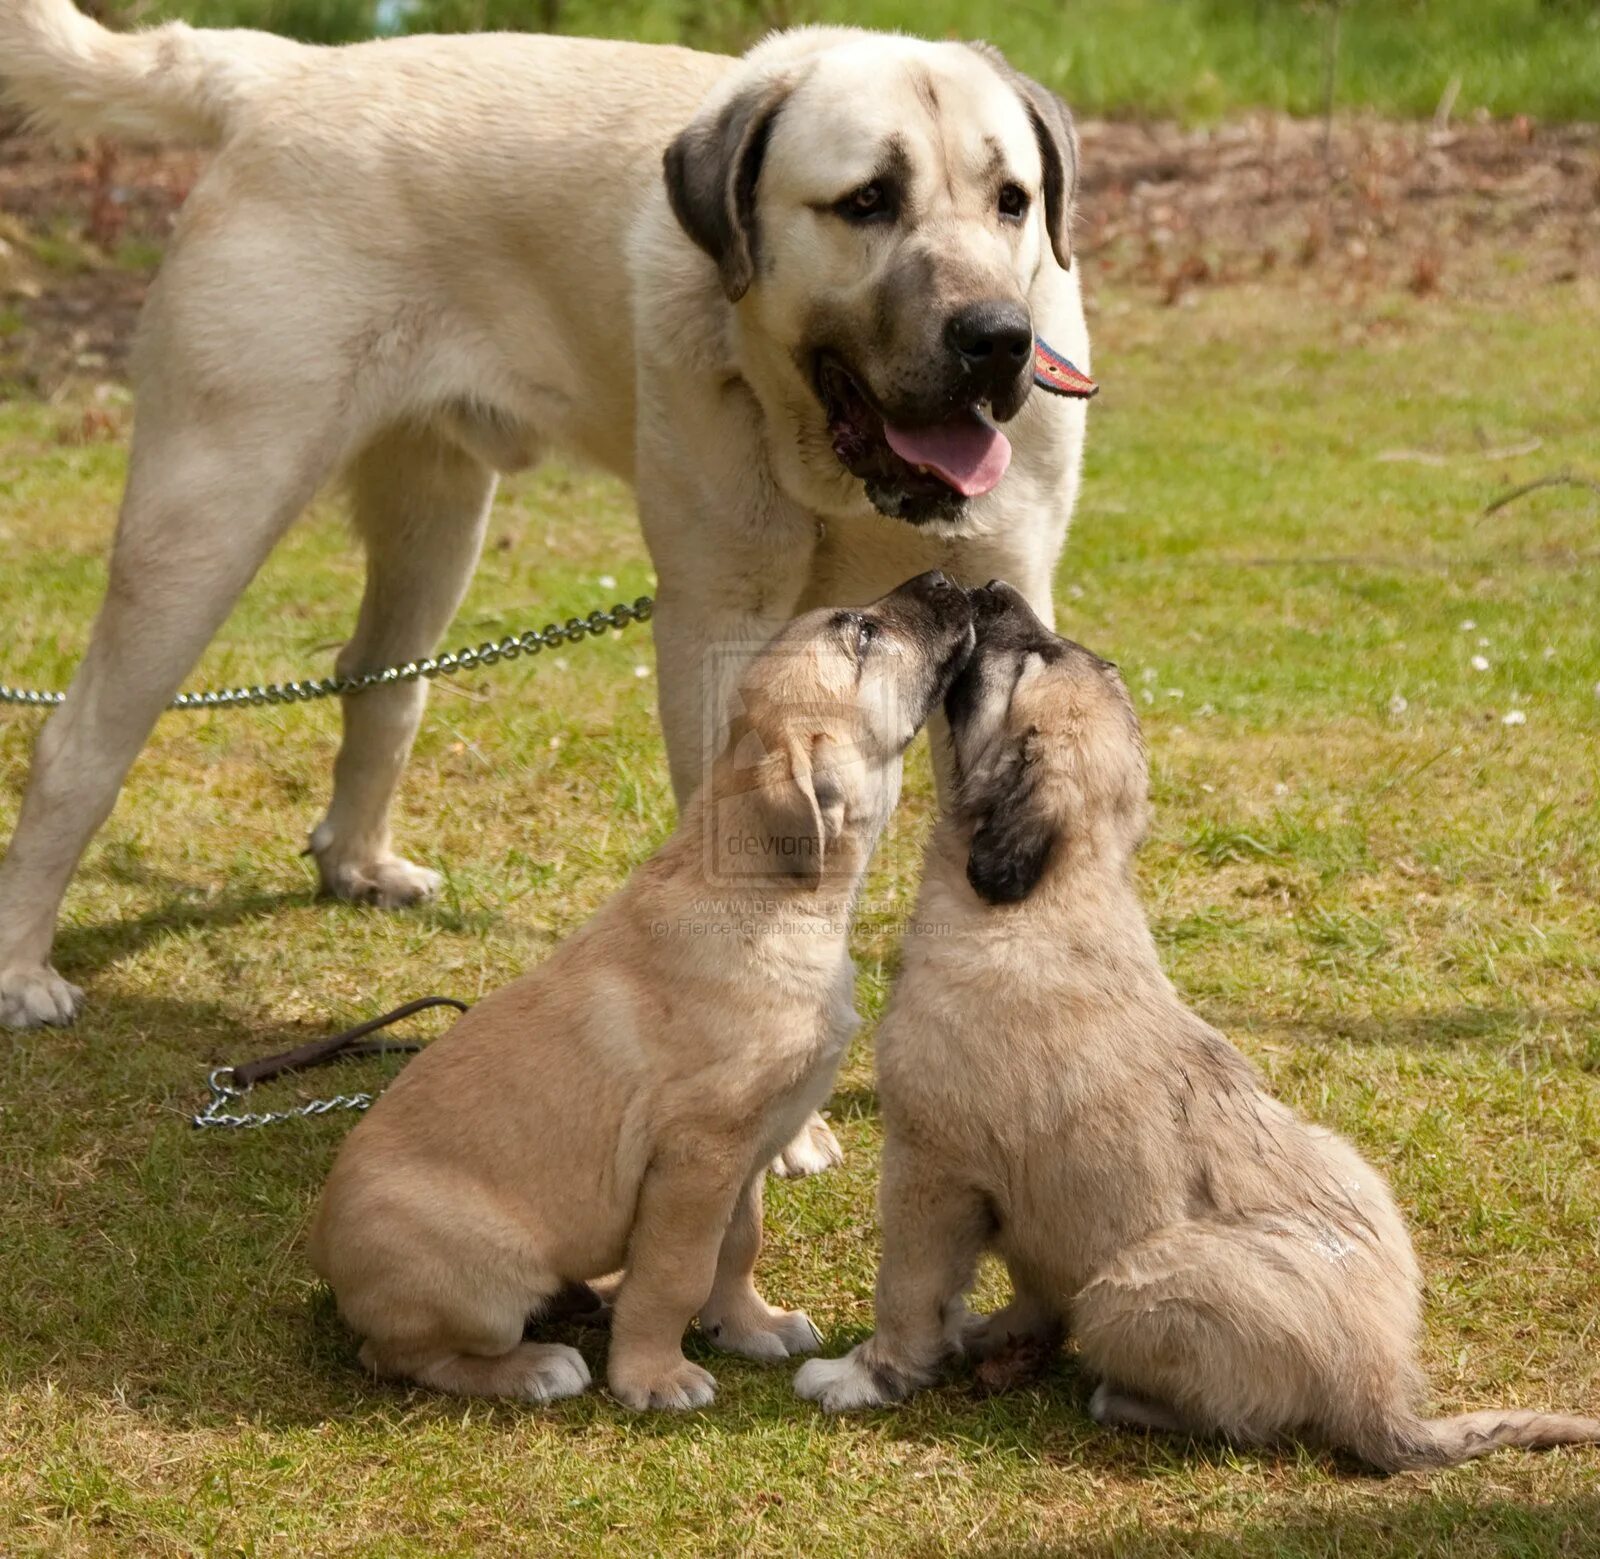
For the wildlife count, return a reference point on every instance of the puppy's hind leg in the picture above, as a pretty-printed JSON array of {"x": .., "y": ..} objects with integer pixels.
[
  {"x": 1251, "y": 1331},
  {"x": 530, "y": 1371},
  {"x": 421, "y": 505},
  {"x": 206, "y": 500},
  {"x": 435, "y": 1317},
  {"x": 1123, "y": 1410},
  {"x": 498, "y": 1364}
]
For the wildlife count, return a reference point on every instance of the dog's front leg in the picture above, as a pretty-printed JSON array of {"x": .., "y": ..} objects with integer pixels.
[
  {"x": 685, "y": 1207},
  {"x": 736, "y": 1318},
  {"x": 934, "y": 1230},
  {"x": 209, "y": 491},
  {"x": 732, "y": 558}
]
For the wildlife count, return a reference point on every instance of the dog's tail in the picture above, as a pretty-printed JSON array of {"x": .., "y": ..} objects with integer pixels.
[
  {"x": 1443, "y": 1442},
  {"x": 71, "y": 74}
]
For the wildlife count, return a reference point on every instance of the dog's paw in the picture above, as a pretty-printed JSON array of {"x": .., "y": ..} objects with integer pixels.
[
  {"x": 37, "y": 998},
  {"x": 1020, "y": 1324},
  {"x": 847, "y": 1385},
  {"x": 677, "y": 1389},
  {"x": 780, "y": 1334},
  {"x": 546, "y": 1372},
  {"x": 1124, "y": 1410},
  {"x": 555, "y": 1371},
  {"x": 389, "y": 882},
  {"x": 814, "y": 1149}
]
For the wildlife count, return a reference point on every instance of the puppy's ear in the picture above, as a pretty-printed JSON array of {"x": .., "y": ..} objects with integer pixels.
[
  {"x": 1058, "y": 150},
  {"x": 800, "y": 812},
  {"x": 1012, "y": 843},
  {"x": 711, "y": 172}
]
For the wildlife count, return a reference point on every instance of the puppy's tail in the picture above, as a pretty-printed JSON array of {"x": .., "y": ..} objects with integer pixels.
[
  {"x": 1443, "y": 1442},
  {"x": 70, "y": 74}
]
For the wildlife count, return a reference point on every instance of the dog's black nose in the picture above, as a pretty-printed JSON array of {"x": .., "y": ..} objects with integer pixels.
[{"x": 993, "y": 340}]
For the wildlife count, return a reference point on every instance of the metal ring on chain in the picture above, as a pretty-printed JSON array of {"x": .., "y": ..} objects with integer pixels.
[{"x": 529, "y": 642}]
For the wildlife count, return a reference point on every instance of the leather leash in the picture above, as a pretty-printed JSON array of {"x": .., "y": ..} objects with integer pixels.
[{"x": 229, "y": 1083}]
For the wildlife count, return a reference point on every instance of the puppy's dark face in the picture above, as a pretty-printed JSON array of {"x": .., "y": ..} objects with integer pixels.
[{"x": 1049, "y": 758}]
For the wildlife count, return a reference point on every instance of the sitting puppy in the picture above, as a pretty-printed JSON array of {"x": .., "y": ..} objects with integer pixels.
[
  {"x": 1225, "y": 1267},
  {"x": 619, "y": 1105}
]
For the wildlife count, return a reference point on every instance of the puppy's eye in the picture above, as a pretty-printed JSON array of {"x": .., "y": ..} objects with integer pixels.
[
  {"x": 1013, "y": 202},
  {"x": 870, "y": 203},
  {"x": 866, "y": 634}
]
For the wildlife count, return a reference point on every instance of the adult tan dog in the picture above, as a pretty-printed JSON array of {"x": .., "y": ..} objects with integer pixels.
[
  {"x": 620, "y": 1104},
  {"x": 419, "y": 262},
  {"x": 1226, "y": 1268}
]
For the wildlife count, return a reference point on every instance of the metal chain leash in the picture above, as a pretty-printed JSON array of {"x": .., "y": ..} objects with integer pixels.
[
  {"x": 219, "y": 1112},
  {"x": 231, "y": 1083},
  {"x": 486, "y": 654}
]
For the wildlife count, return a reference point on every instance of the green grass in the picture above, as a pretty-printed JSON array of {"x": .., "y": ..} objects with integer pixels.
[
  {"x": 1194, "y": 58},
  {"x": 1394, "y": 907}
]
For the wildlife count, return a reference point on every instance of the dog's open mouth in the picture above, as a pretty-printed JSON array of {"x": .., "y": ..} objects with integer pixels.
[{"x": 963, "y": 456}]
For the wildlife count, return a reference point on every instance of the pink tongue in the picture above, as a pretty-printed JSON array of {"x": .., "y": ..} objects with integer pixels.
[{"x": 970, "y": 454}]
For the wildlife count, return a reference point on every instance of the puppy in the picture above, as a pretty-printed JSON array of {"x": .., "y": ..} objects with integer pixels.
[
  {"x": 619, "y": 1105},
  {"x": 1227, "y": 1269}
]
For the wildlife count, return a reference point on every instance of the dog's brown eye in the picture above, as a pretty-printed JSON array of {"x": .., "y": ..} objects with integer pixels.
[
  {"x": 865, "y": 204},
  {"x": 1013, "y": 202},
  {"x": 866, "y": 632}
]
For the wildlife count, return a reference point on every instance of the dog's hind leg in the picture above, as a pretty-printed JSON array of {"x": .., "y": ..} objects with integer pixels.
[
  {"x": 421, "y": 505},
  {"x": 533, "y": 1371},
  {"x": 486, "y": 1355},
  {"x": 207, "y": 497},
  {"x": 1251, "y": 1330},
  {"x": 1123, "y": 1410}
]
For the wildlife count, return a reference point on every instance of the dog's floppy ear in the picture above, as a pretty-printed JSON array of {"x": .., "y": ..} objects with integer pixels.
[
  {"x": 801, "y": 808},
  {"x": 1012, "y": 843},
  {"x": 711, "y": 171},
  {"x": 1058, "y": 150}
]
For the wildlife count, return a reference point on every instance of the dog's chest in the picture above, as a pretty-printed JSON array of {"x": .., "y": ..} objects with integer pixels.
[{"x": 802, "y": 1072}]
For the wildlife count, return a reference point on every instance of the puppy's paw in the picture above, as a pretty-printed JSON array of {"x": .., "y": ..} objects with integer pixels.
[
  {"x": 532, "y": 1371},
  {"x": 814, "y": 1149},
  {"x": 37, "y": 997},
  {"x": 548, "y": 1371},
  {"x": 677, "y": 1389},
  {"x": 779, "y": 1334},
  {"x": 1125, "y": 1410},
  {"x": 1019, "y": 1325},
  {"x": 849, "y": 1384}
]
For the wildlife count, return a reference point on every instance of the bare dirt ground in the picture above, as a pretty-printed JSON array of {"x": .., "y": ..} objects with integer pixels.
[
  {"x": 1472, "y": 209},
  {"x": 1378, "y": 205}
]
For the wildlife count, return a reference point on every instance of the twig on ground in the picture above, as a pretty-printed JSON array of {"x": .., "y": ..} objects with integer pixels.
[
  {"x": 1428, "y": 457},
  {"x": 1554, "y": 479},
  {"x": 1330, "y": 84},
  {"x": 1447, "y": 103}
]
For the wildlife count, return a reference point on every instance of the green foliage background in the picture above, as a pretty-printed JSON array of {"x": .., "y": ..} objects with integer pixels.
[{"x": 1197, "y": 59}]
